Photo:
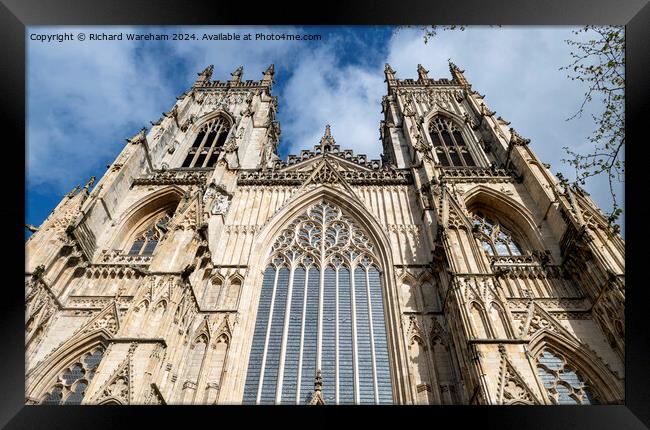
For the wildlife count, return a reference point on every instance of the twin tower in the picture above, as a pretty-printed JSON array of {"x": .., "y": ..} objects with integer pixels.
[{"x": 203, "y": 269}]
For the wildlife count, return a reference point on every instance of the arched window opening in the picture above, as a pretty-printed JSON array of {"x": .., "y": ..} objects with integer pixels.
[
  {"x": 145, "y": 243},
  {"x": 495, "y": 239},
  {"x": 478, "y": 321},
  {"x": 232, "y": 294},
  {"x": 564, "y": 385},
  {"x": 420, "y": 370},
  {"x": 208, "y": 143},
  {"x": 72, "y": 382},
  {"x": 320, "y": 309},
  {"x": 451, "y": 149}
]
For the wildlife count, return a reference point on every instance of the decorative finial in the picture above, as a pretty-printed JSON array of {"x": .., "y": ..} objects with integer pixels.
[
  {"x": 457, "y": 74},
  {"x": 90, "y": 183},
  {"x": 327, "y": 142},
  {"x": 422, "y": 72},
  {"x": 139, "y": 136},
  {"x": 389, "y": 72},
  {"x": 516, "y": 138},
  {"x": 73, "y": 192},
  {"x": 270, "y": 70},
  {"x": 204, "y": 76},
  {"x": 318, "y": 381},
  {"x": 237, "y": 74},
  {"x": 207, "y": 72}
]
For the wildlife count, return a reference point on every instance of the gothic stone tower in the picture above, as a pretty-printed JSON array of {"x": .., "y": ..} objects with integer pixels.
[{"x": 202, "y": 269}]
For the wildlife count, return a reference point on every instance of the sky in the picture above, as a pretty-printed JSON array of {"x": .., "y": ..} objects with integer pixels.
[{"x": 84, "y": 98}]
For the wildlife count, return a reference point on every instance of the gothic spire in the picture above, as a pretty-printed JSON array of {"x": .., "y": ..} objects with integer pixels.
[
  {"x": 269, "y": 72},
  {"x": 237, "y": 74},
  {"x": 327, "y": 142},
  {"x": 457, "y": 74},
  {"x": 389, "y": 72},
  {"x": 422, "y": 73},
  {"x": 90, "y": 183},
  {"x": 317, "y": 395},
  {"x": 204, "y": 76}
]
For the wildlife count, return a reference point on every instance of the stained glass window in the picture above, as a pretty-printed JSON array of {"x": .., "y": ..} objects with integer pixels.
[
  {"x": 494, "y": 239},
  {"x": 563, "y": 384},
  {"x": 73, "y": 380},
  {"x": 320, "y": 308},
  {"x": 145, "y": 243}
]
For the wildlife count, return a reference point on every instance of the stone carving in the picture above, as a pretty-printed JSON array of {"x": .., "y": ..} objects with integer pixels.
[{"x": 221, "y": 205}]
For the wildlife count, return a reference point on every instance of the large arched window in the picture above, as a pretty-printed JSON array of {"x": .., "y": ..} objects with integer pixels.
[
  {"x": 321, "y": 309},
  {"x": 495, "y": 239},
  {"x": 208, "y": 143},
  {"x": 563, "y": 384},
  {"x": 146, "y": 241},
  {"x": 451, "y": 148},
  {"x": 71, "y": 384}
]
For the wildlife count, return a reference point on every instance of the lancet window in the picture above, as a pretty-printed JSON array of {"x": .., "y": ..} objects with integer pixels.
[
  {"x": 448, "y": 143},
  {"x": 208, "y": 143}
]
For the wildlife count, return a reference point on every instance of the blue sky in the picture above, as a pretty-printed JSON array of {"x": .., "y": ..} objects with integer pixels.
[{"x": 85, "y": 98}]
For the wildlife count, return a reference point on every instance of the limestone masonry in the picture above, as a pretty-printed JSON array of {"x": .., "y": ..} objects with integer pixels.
[{"x": 203, "y": 269}]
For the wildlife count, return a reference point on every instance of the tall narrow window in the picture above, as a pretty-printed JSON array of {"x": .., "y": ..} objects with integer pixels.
[
  {"x": 145, "y": 243},
  {"x": 321, "y": 309},
  {"x": 73, "y": 381},
  {"x": 563, "y": 384},
  {"x": 496, "y": 241},
  {"x": 208, "y": 143},
  {"x": 449, "y": 144}
]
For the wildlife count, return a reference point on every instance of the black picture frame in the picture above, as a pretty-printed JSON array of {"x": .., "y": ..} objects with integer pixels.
[{"x": 16, "y": 15}]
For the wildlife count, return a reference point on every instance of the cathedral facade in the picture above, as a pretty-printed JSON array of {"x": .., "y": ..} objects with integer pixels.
[{"x": 203, "y": 269}]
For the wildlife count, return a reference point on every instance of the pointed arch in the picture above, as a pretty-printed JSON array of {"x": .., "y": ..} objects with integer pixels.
[
  {"x": 156, "y": 316},
  {"x": 597, "y": 376},
  {"x": 203, "y": 119},
  {"x": 380, "y": 272},
  {"x": 516, "y": 218},
  {"x": 498, "y": 321},
  {"x": 233, "y": 290},
  {"x": 208, "y": 136},
  {"x": 408, "y": 291},
  {"x": 80, "y": 356},
  {"x": 457, "y": 151},
  {"x": 144, "y": 212},
  {"x": 479, "y": 322},
  {"x": 213, "y": 291},
  {"x": 421, "y": 374}
]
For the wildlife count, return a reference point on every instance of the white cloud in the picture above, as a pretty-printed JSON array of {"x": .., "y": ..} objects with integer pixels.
[
  {"x": 83, "y": 101},
  {"x": 517, "y": 69},
  {"x": 348, "y": 98},
  {"x": 85, "y": 98}
]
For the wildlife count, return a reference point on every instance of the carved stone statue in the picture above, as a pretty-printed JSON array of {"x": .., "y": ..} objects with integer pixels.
[{"x": 221, "y": 205}]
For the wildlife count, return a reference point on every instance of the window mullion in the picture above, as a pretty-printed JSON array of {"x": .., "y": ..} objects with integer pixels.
[
  {"x": 266, "y": 339},
  {"x": 443, "y": 144},
  {"x": 213, "y": 143},
  {"x": 198, "y": 150},
  {"x": 302, "y": 335},
  {"x": 372, "y": 340},
  {"x": 355, "y": 354},
  {"x": 336, "y": 345},
  {"x": 285, "y": 331}
]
